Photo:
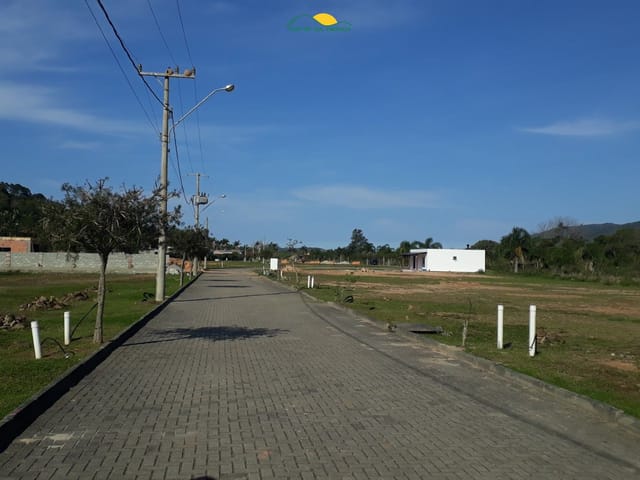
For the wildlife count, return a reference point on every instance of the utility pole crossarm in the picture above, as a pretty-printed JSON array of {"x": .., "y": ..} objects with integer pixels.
[{"x": 170, "y": 72}]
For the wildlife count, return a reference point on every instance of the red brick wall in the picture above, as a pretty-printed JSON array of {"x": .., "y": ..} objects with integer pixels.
[{"x": 16, "y": 244}]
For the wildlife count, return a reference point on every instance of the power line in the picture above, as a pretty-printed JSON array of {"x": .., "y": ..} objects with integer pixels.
[
  {"x": 115, "y": 57},
  {"x": 126, "y": 51},
  {"x": 164, "y": 40},
  {"x": 184, "y": 34},
  {"x": 184, "y": 131},
  {"x": 173, "y": 60},
  {"x": 195, "y": 88},
  {"x": 175, "y": 147}
]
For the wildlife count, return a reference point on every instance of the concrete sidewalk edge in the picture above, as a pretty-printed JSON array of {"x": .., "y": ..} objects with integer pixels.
[
  {"x": 24, "y": 415},
  {"x": 610, "y": 412}
]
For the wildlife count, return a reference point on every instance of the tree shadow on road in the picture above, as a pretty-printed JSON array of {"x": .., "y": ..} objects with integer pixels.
[{"x": 214, "y": 334}]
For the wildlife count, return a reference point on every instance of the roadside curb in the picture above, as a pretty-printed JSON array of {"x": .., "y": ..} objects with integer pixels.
[
  {"x": 25, "y": 414},
  {"x": 611, "y": 413}
]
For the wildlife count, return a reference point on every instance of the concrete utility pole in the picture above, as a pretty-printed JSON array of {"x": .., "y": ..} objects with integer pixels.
[
  {"x": 198, "y": 199},
  {"x": 164, "y": 139}
]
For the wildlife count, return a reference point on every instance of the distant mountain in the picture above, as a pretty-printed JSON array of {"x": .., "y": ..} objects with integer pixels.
[{"x": 587, "y": 232}]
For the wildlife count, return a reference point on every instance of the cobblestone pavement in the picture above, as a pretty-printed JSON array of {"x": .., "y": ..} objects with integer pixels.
[{"x": 240, "y": 378}]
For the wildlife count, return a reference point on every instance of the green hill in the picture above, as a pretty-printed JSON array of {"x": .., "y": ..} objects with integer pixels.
[{"x": 588, "y": 232}]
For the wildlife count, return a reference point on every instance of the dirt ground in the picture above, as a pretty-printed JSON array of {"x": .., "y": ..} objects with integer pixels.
[{"x": 580, "y": 299}]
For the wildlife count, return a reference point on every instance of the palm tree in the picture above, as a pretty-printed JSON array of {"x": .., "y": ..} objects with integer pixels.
[
  {"x": 429, "y": 243},
  {"x": 404, "y": 247},
  {"x": 516, "y": 245}
]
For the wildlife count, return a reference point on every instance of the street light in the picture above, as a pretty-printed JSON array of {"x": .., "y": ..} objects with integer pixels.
[
  {"x": 162, "y": 241},
  {"x": 229, "y": 88},
  {"x": 199, "y": 200},
  {"x": 212, "y": 201}
]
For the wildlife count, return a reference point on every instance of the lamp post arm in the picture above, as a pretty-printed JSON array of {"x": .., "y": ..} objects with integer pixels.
[
  {"x": 212, "y": 202},
  {"x": 228, "y": 88}
]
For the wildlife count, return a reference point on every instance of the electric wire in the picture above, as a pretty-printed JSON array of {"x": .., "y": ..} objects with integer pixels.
[
  {"x": 184, "y": 34},
  {"x": 164, "y": 40},
  {"x": 127, "y": 52},
  {"x": 195, "y": 86},
  {"x": 67, "y": 354},
  {"x": 173, "y": 60},
  {"x": 176, "y": 167},
  {"x": 186, "y": 137},
  {"x": 124, "y": 74}
]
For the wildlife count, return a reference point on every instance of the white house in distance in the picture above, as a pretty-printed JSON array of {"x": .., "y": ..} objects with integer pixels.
[{"x": 446, "y": 260}]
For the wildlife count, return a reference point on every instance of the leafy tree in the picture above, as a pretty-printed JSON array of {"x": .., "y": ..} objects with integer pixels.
[
  {"x": 21, "y": 211},
  {"x": 269, "y": 250},
  {"x": 491, "y": 250},
  {"x": 359, "y": 245},
  {"x": 385, "y": 254},
  {"x": 188, "y": 243},
  {"x": 622, "y": 250},
  {"x": 94, "y": 218}
]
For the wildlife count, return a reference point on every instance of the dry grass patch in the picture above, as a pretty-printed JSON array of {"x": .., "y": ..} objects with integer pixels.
[{"x": 589, "y": 333}]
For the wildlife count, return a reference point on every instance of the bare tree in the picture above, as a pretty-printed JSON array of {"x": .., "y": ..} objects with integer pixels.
[
  {"x": 94, "y": 218},
  {"x": 557, "y": 225}
]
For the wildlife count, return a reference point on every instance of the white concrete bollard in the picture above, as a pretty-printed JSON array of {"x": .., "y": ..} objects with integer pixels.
[
  {"x": 308, "y": 281},
  {"x": 532, "y": 330},
  {"x": 67, "y": 328},
  {"x": 500, "y": 326},
  {"x": 35, "y": 333},
  {"x": 312, "y": 280}
]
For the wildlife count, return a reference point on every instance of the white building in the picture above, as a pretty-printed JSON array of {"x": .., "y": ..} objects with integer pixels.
[{"x": 446, "y": 260}]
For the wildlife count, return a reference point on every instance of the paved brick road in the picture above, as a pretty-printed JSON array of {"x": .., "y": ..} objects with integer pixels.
[{"x": 240, "y": 378}]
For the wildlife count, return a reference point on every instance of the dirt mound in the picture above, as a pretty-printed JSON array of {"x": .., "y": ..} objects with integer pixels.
[
  {"x": 10, "y": 321},
  {"x": 54, "y": 303}
]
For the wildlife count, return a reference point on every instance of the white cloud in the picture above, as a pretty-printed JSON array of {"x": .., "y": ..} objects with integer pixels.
[
  {"x": 584, "y": 128},
  {"x": 36, "y": 104},
  {"x": 35, "y": 33},
  {"x": 76, "y": 145},
  {"x": 360, "y": 197}
]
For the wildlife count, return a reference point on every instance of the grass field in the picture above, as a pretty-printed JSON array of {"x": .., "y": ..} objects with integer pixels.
[
  {"x": 21, "y": 376},
  {"x": 589, "y": 333}
]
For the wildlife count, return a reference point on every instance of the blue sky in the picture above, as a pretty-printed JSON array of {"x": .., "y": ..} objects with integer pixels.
[{"x": 455, "y": 120}]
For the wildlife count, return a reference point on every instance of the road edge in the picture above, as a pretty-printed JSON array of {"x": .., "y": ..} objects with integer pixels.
[{"x": 16, "y": 422}]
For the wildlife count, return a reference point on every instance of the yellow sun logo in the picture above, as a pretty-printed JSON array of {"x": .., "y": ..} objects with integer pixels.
[
  {"x": 320, "y": 22},
  {"x": 325, "y": 19}
]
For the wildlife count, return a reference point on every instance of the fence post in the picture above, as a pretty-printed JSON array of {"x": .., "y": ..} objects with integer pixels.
[
  {"x": 532, "y": 331},
  {"x": 35, "y": 333},
  {"x": 500, "y": 326},
  {"x": 67, "y": 328}
]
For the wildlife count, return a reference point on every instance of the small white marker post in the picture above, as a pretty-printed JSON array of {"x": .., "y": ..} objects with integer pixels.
[
  {"x": 35, "y": 333},
  {"x": 532, "y": 330},
  {"x": 308, "y": 281},
  {"x": 67, "y": 328},
  {"x": 313, "y": 279},
  {"x": 500, "y": 326}
]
